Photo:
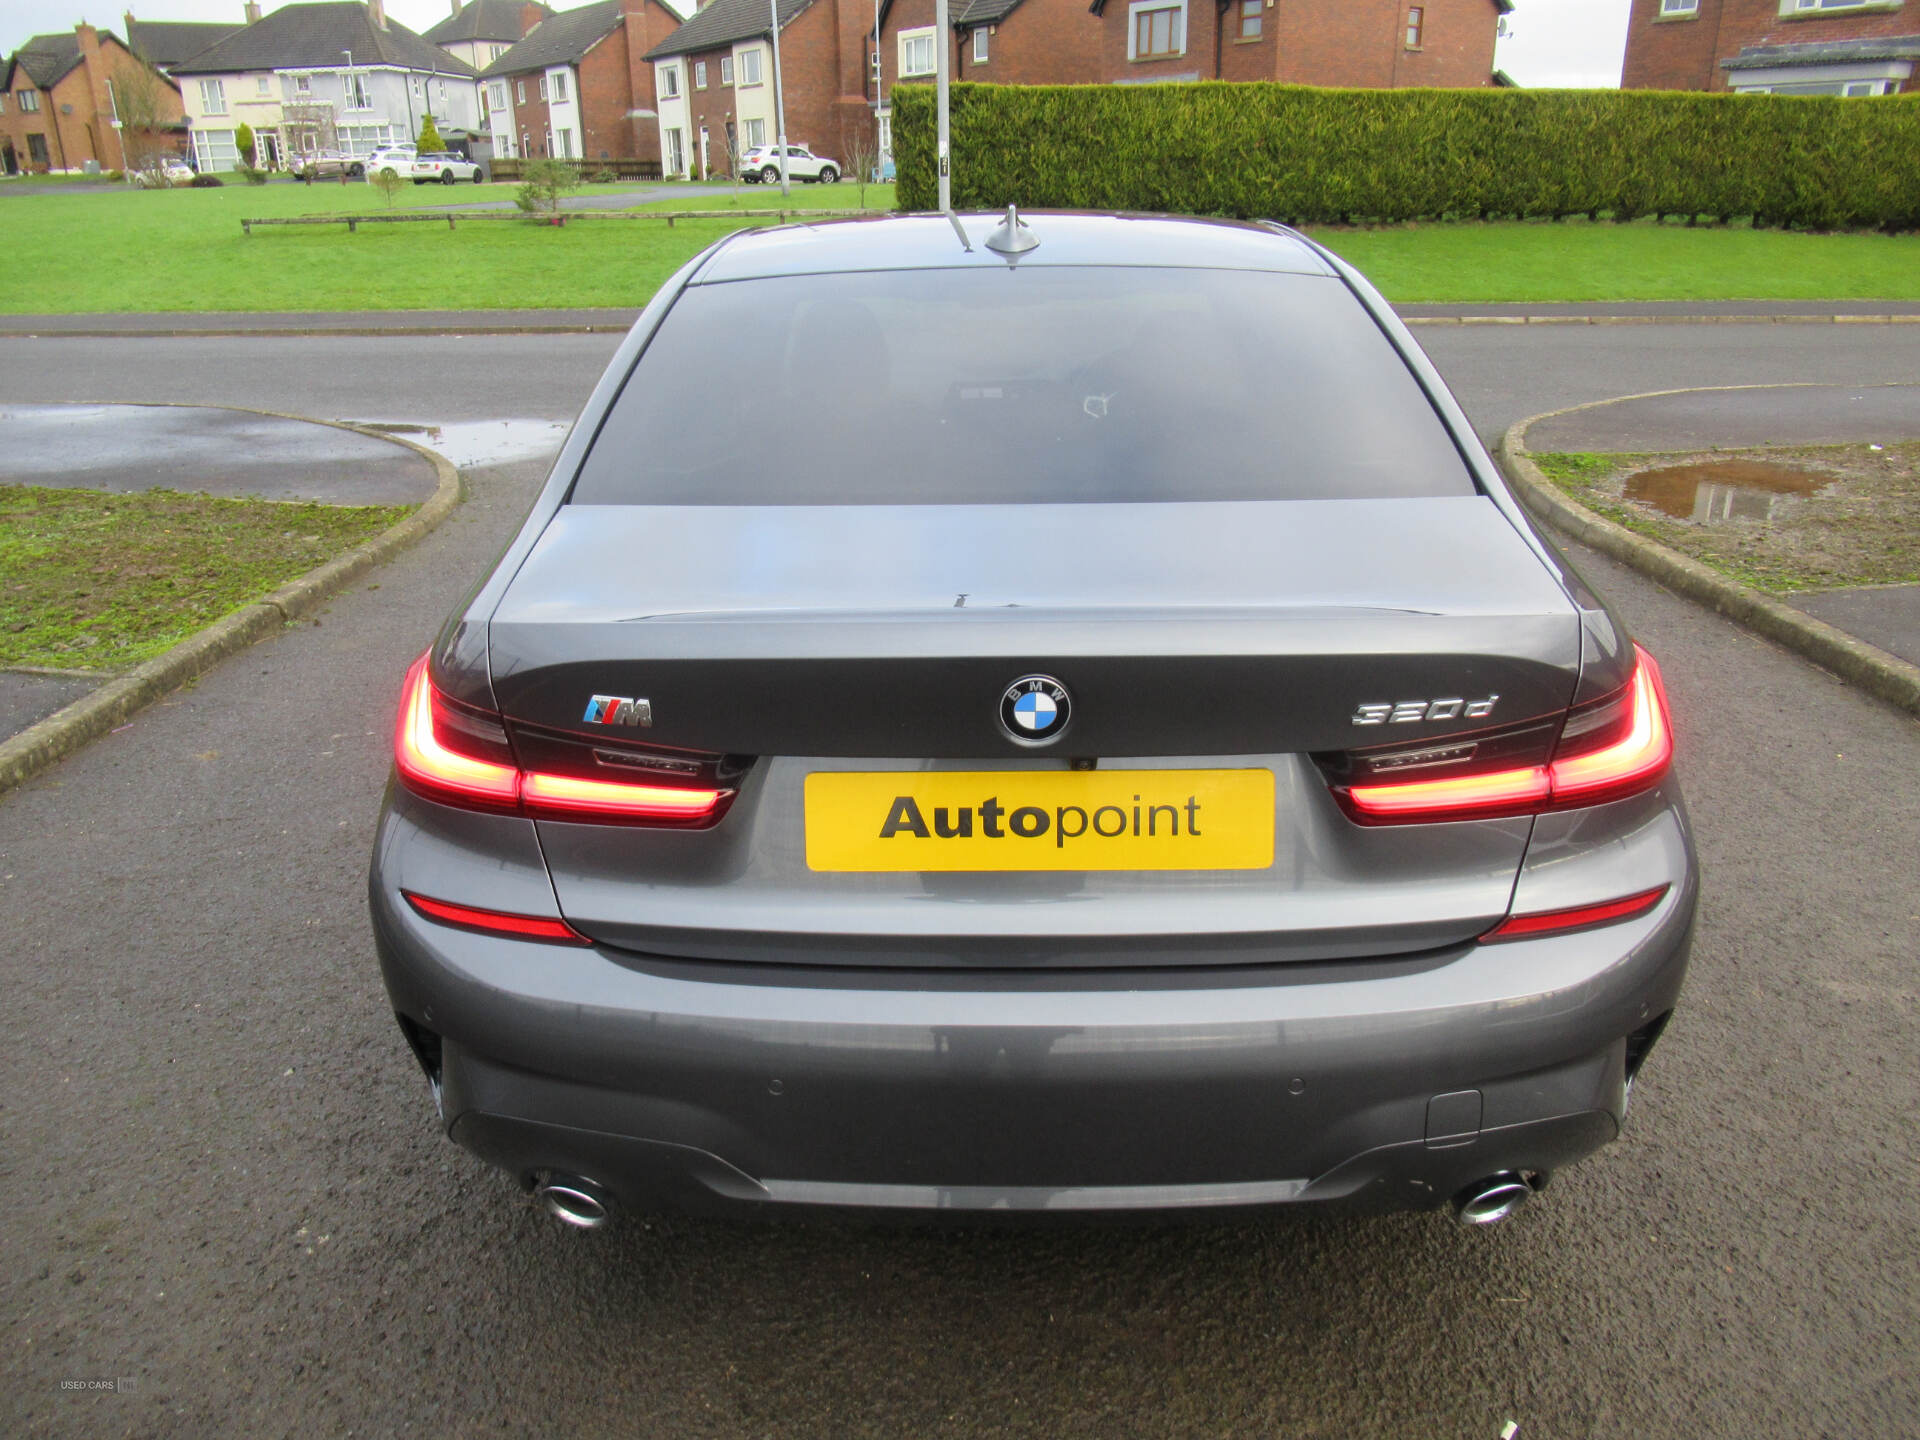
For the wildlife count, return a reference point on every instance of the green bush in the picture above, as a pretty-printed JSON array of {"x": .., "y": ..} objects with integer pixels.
[
  {"x": 1310, "y": 155},
  {"x": 243, "y": 142},
  {"x": 429, "y": 141},
  {"x": 249, "y": 174},
  {"x": 205, "y": 181},
  {"x": 545, "y": 182}
]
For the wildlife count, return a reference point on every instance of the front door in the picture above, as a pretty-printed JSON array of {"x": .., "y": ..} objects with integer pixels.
[
  {"x": 269, "y": 147},
  {"x": 706, "y": 160}
]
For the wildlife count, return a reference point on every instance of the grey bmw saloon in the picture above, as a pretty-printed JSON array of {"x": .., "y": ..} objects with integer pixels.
[{"x": 1063, "y": 716}]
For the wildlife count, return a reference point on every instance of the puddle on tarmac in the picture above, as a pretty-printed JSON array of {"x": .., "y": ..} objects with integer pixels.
[
  {"x": 1724, "y": 489},
  {"x": 472, "y": 443}
]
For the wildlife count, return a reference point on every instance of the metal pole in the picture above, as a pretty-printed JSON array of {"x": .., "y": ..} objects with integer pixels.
[
  {"x": 779, "y": 97},
  {"x": 943, "y": 37}
]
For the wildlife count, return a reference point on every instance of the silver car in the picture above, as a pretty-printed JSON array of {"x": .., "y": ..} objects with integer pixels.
[{"x": 1116, "y": 745}]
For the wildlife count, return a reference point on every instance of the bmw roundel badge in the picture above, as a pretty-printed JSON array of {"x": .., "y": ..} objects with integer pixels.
[{"x": 1035, "y": 709}]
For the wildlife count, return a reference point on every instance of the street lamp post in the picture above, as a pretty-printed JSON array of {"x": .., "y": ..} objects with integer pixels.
[{"x": 779, "y": 97}]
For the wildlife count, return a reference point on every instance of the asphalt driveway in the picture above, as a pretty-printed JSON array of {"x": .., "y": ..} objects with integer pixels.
[{"x": 226, "y": 1183}]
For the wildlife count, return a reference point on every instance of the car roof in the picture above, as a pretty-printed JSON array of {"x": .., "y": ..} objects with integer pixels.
[{"x": 921, "y": 242}]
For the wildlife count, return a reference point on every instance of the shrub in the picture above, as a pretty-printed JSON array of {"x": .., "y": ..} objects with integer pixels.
[
  {"x": 205, "y": 182},
  {"x": 250, "y": 175},
  {"x": 389, "y": 183},
  {"x": 544, "y": 182},
  {"x": 243, "y": 142},
  {"x": 429, "y": 140},
  {"x": 604, "y": 176},
  {"x": 1313, "y": 155}
]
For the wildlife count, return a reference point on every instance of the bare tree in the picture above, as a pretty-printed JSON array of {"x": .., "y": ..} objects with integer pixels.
[
  {"x": 140, "y": 99},
  {"x": 861, "y": 147}
]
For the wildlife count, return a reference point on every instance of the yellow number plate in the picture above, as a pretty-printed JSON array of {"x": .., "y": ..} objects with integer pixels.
[{"x": 1040, "y": 820}]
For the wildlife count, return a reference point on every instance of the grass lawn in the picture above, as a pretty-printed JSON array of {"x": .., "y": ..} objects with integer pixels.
[
  {"x": 183, "y": 250},
  {"x": 101, "y": 581},
  {"x": 1581, "y": 260}
]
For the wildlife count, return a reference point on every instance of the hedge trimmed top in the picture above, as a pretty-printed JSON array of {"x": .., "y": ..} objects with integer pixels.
[{"x": 1311, "y": 155}]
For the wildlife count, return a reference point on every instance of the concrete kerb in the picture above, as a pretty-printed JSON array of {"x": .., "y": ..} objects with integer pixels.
[
  {"x": 124, "y": 695},
  {"x": 1874, "y": 670}
]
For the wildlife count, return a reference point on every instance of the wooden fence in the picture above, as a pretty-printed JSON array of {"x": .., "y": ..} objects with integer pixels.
[{"x": 564, "y": 217}]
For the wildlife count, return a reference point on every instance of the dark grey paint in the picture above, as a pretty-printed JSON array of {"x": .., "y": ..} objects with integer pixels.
[{"x": 747, "y": 1031}]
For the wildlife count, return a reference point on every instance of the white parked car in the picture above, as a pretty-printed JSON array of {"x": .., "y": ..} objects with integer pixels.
[
  {"x": 763, "y": 163},
  {"x": 392, "y": 160},
  {"x": 164, "y": 173},
  {"x": 446, "y": 167}
]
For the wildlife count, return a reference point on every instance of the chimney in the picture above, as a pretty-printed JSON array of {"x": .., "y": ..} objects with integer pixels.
[
  {"x": 377, "y": 13},
  {"x": 253, "y": 12},
  {"x": 456, "y": 9},
  {"x": 89, "y": 38}
]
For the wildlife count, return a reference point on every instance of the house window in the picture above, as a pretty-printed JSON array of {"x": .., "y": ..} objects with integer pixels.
[
  {"x": 669, "y": 83},
  {"x": 1250, "y": 19},
  {"x": 756, "y": 134},
  {"x": 213, "y": 97},
  {"x": 303, "y": 84},
  {"x": 497, "y": 95},
  {"x": 1158, "y": 31},
  {"x": 215, "y": 150},
  {"x": 494, "y": 52},
  {"x": 560, "y": 88},
  {"x": 1416, "y": 19},
  {"x": 566, "y": 144},
  {"x": 699, "y": 74},
  {"x": 749, "y": 67},
  {"x": 37, "y": 148},
  {"x": 29, "y": 101},
  {"x": 676, "y": 153},
  {"x": 3, "y": 102},
  {"x": 262, "y": 84},
  {"x": 359, "y": 97},
  {"x": 726, "y": 69},
  {"x": 541, "y": 84},
  {"x": 916, "y": 52},
  {"x": 980, "y": 46},
  {"x": 1679, "y": 7},
  {"x": 520, "y": 86},
  {"x": 1799, "y": 5}
]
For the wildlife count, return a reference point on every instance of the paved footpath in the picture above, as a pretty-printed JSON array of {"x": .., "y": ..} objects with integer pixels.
[
  {"x": 592, "y": 321},
  {"x": 1743, "y": 418}
]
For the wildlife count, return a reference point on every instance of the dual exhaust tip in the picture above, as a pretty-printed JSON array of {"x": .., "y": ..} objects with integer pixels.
[{"x": 583, "y": 1205}]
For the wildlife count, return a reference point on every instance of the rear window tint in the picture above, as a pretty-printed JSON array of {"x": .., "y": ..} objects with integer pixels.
[{"x": 1007, "y": 385}]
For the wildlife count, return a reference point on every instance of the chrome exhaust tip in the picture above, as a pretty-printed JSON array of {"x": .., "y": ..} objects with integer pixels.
[
  {"x": 1489, "y": 1201},
  {"x": 574, "y": 1201}
]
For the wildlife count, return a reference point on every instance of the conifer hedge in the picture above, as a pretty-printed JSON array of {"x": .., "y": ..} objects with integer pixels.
[{"x": 1310, "y": 155}]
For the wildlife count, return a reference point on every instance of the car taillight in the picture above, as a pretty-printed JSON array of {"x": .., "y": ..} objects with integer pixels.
[
  {"x": 496, "y": 922},
  {"x": 1576, "y": 917},
  {"x": 1608, "y": 750},
  {"x": 459, "y": 755}
]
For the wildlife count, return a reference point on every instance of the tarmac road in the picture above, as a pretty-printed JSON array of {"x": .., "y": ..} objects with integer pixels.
[{"x": 224, "y": 1179}]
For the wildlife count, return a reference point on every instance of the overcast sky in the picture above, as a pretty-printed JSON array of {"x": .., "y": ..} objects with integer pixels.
[{"x": 1553, "y": 42}]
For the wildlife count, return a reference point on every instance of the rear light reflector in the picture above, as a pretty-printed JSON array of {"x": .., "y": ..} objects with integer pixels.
[
  {"x": 434, "y": 750},
  {"x": 1578, "y": 917},
  {"x": 496, "y": 922},
  {"x": 1633, "y": 755}
]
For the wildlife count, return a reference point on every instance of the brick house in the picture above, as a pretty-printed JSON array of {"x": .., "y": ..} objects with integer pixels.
[
  {"x": 1372, "y": 44},
  {"x": 1790, "y": 47},
  {"x": 61, "y": 98},
  {"x": 481, "y": 31},
  {"x": 716, "y": 83},
  {"x": 578, "y": 87},
  {"x": 997, "y": 42}
]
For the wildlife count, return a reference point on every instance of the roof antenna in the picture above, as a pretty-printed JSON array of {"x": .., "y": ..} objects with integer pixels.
[
  {"x": 1013, "y": 237},
  {"x": 943, "y": 44}
]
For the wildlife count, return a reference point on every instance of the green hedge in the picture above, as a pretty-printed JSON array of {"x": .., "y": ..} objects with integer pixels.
[{"x": 1308, "y": 155}]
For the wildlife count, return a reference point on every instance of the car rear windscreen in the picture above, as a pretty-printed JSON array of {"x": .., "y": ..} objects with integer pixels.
[{"x": 1038, "y": 385}]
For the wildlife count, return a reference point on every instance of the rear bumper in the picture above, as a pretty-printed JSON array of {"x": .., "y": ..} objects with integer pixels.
[{"x": 1380, "y": 1084}]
